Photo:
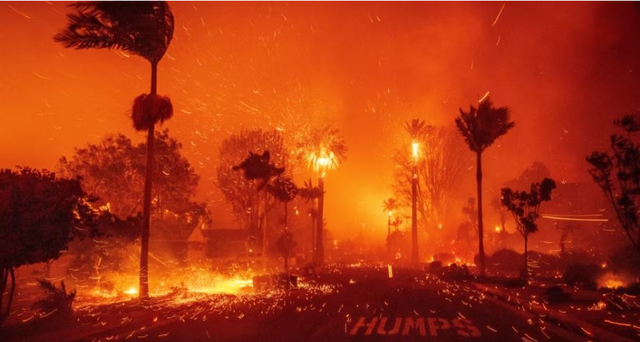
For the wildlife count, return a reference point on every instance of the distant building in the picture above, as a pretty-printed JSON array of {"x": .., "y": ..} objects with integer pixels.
[{"x": 196, "y": 247}]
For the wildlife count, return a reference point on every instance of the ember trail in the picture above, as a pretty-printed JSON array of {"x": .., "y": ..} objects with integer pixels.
[{"x": 282, "y": 172}]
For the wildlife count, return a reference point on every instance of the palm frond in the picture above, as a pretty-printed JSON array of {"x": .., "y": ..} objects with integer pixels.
[
  {"x": 149, "y": 110},
  {"x": 417, "y": 129},
  {"x": 141, "y": 28},
  {"x": 481, "y": 126}
]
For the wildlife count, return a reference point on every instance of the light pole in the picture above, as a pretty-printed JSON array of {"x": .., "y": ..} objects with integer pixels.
[{"x": 414, "y": 214}]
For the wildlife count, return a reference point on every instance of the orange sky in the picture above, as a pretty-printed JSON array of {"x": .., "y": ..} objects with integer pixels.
[{"x": 565, "y": 70}]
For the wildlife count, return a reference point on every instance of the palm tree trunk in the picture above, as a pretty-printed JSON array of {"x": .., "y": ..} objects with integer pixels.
[
  {"x": 4, "y": 313},
  {"x": 480, "y": 227},
  {"x": 415, "y": 258},
  {"x": 263, "y": 222},
  {"x": 146, "y": 212},
  {"x": 320, "y": 222},
  {"x": 313, "y": 230},
  {"x": 525, "y": 274},
  {"x": 13, "y": 288},
  {"x": 286, "y": 230},
  {"x": 388, "y": 226},
  {"x": 4, "y": 276}
]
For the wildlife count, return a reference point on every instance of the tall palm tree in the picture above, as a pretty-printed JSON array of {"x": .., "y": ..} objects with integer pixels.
[
  {"x": 417, "y": 129},
  {"x": 259, "y": 167},
  {"x": 285, "y": 191},
  {"x": 388, "y": 206},
  {"x": 311, "y": 193},
  {"x": 480, "y": 127},
  {"x": 324, "y": 149},
  {"x": 140, "y": 28}
]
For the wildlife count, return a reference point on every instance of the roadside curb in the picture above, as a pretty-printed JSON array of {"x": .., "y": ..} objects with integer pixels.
[{"x": 578, "y": 326}]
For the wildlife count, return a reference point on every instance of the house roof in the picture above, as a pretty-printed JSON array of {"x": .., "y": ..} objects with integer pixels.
[{"x": 196, "y": 235}]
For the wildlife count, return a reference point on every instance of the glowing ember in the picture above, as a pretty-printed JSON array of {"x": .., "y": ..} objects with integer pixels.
[{"x": 131, "y": 291}]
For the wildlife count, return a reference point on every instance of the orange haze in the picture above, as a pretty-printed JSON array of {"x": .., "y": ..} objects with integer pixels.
[{"x": 565, "y": 70}]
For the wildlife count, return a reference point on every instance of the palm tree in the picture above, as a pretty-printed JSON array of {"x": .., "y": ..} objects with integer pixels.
[
  {"x": 480, "y": 127},
  {"x": 140, "y": 28},
  {"x": 388, "y": 206},
  {"x": 259, "y": 167},
  {"x": 285, "y": 191},
  {"x": 417, "y": 129},
  {"x": 311, "y": 193},
  {"x": 324, "y": 149}
]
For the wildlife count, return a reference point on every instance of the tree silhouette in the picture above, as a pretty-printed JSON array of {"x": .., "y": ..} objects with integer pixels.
[
  {"x": 617, "y": 172},
  {"x": 417, "y": 129},
  {"x": 39, "y": 215},
  {"x": 113, "y": 170},
  {"x": 471, "y": 213},
  {"x": 496, "y": 203},
  {"x": 140, "y": 28},
  {"x": 311, "y": 193},
  {"x": 249, "y": 206},
  {"x": 324, "y": 149},
  {"x": 525, "y": 208},
  {"x": 388, "y": 206},
  {"x": 284, "y": 190},
  {"x": 258, "y": 167},
  {"x": 438, "y": 168},
  {"x": 480, "y": 128}
]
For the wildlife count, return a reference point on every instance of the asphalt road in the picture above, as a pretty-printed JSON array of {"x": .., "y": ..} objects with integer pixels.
[{"x": 364, "y": 305}]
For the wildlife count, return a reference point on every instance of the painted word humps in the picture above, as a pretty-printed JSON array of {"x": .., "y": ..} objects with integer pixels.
[{"x": 407, "y": 326}]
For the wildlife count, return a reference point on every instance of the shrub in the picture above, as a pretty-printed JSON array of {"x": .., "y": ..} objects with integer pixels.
[
  {"x": 582, "y": 275},
  {"x": 555, "y": 294},
  {"x": 57, "y": 299}
]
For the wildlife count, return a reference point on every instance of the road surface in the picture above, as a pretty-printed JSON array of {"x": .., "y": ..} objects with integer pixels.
[
  {"x": 363, "y": 305},
  {"x": 346, "y": 304}
]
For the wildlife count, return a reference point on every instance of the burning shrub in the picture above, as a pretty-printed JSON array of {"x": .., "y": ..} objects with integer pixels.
[
  {"x": 582, "y": 275},
  {"x": 57, "y": 299}
]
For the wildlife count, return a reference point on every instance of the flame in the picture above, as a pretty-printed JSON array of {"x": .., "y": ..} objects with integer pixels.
[
  {"x": 116, "y": 286},
  {"x": 131, "y": 291},
  {"x": 611, "y": 281},
  {"x": 497, "y": 229},
  {"x": 415, "y": 150},
  {"x": 322, "y": 161}
]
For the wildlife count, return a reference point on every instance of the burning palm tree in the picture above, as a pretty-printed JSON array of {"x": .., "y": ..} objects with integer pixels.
[
  {"x": 388, "y": 206},
  {"x": 417, "y": 129},
  {"x": 140, "y": 28},
  {"x": 324, "y": 149},
  {"x": 480, "y": 128}
]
